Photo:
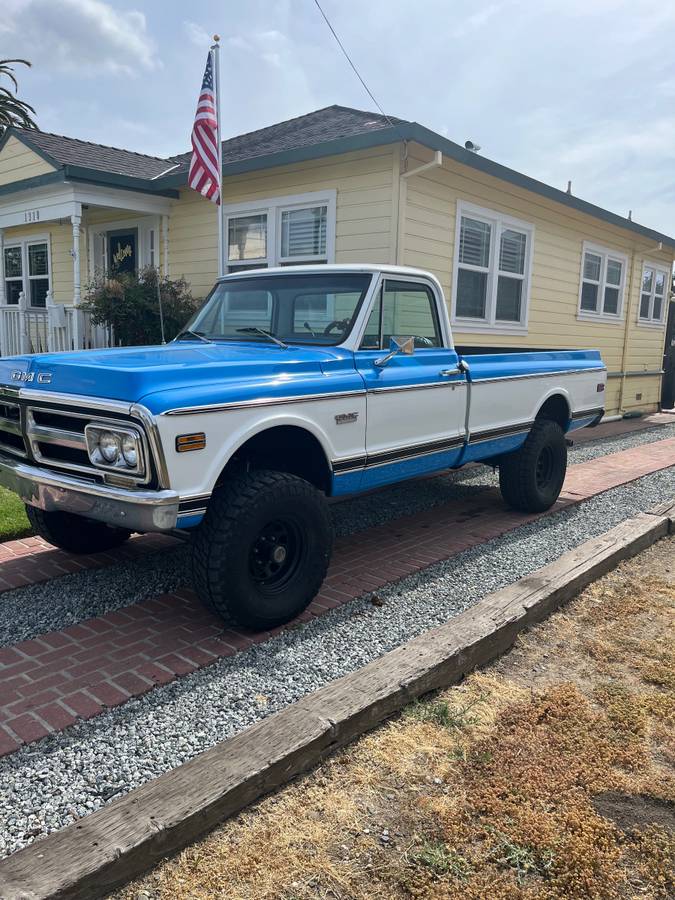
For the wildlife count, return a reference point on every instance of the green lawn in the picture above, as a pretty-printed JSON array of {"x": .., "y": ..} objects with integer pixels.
[{"x": 13, "y": 521}]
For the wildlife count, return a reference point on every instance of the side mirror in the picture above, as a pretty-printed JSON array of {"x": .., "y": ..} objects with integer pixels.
[{"x": 404, "y": 345}]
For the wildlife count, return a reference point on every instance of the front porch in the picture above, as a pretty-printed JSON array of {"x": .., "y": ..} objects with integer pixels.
[{"x": 54, "y": 240}]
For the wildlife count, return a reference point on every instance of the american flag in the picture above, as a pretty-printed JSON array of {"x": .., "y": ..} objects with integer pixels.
[{"x": 204, "y": 176}]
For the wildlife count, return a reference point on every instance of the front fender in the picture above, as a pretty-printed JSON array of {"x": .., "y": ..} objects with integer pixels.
[{"x": 196, "y": 473}]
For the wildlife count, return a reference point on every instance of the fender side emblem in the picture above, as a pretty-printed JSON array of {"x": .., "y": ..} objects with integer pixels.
[{"x": 346, "y": 418}]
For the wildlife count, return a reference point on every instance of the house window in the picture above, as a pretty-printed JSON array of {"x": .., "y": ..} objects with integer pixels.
[
  {"x": 603, "y": 275},
  {"x": 247, "y": 242},
  {"x": 492, "y": 282},
  {"x": 26, "y": 268},
  {"x": 283, "y": 231},
  {"x": 653, "y": 293}
]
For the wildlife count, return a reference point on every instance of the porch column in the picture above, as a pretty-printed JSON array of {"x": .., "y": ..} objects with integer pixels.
[
  {"x": 76, "y": 221},
  {"x": 3, "y": 336},
  {"x": 165, "y": 245},
  {"x": 2, "y": 270}
]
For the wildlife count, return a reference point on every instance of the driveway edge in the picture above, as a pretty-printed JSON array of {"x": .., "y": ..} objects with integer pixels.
[{"x": 118, "y": 843}]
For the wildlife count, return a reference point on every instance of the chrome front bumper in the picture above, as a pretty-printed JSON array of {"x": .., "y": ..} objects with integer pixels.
[{"x": 51, "y": 491}]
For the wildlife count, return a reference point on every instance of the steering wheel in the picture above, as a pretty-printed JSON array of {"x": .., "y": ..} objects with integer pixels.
[
  {"x": 336, "y": 323},
  {"x": 425, "y": 341}
]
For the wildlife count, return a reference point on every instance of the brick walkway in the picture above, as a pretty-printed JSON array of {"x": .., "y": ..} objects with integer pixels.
[
  {"x": 32, "y": 560},
  {"x": 46, "y": 684}
]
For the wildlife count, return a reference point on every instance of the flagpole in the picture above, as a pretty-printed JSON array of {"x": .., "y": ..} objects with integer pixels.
[{"x": 215, "y": 51}]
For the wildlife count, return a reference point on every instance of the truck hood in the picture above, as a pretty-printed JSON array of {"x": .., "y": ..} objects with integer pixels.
[{"x": 183, "y": 373}]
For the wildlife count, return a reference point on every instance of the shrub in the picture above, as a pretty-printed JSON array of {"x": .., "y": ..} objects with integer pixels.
[{"x": 129, "y": 303}]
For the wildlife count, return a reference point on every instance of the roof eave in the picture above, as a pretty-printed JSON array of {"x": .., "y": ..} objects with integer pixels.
[
  {"x": 435, "y": 141},
  {"x": 302, "y": 154},
  {"x": 23, "y": 136}
]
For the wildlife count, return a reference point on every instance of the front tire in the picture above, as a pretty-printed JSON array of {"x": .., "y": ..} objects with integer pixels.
[
  {"x": 262, "y": 551},
  {"x": 74, "y": 533},
  {"x": 532, "y": 477}
]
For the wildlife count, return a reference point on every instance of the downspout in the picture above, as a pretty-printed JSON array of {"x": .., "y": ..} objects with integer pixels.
[
  {"x": 434, "y": 164},
  {"x": 403, "y": 176},
  {"x": 626, "y": 332}
]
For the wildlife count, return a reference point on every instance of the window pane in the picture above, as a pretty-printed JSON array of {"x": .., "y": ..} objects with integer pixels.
[
  {"x": 509, "y": 294},
  {"x": 371, "y": 337},
  {"x": 13, "y": 268},
  {"x": 246, "y": 267},
  {"x": 644, "y": 306},
  {"x": 471, "y": 294},
  {"x": 474, "y": 243},
  {"x": 589, "y": 296},
  {"x": 409, "y": 310},
  {"x": 614, "y": 268},
  {"x": 247, "y": 237},
  {"x": 656, "y": 313},
  {"x": 303, "y": 231},
  {"x": 38, "y": 291},
  {"x": 12, "y": 291},
  {"x": 512, "y": 251},
  {"x": 611, "y": 304},
  {"x": 647, "y": 280},
  {"x": 37, "y": 259},
  {"x": 592, "y": 266},
  {"x": 660, "y": 286},
  {"x": 312, "y": 313}
]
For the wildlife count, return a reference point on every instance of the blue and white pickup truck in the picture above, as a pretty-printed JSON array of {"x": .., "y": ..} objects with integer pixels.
[{"x": 289, "y": 386}]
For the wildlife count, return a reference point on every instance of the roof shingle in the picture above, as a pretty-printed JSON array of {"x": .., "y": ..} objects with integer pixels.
[{"x": 67, "y": 151}]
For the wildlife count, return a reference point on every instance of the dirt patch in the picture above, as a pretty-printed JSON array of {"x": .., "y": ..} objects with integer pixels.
[
  {"x": 635, "y": 812},
  {"x": 549, "y": 775}
]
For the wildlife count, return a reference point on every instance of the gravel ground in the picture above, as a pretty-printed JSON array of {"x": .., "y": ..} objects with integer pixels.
[
  {"x": 54, "y": 605},
  {"x": 52, "y": 783}
]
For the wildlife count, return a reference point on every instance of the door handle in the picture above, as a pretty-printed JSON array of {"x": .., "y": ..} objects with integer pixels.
[{"x": 448, "y": 373}]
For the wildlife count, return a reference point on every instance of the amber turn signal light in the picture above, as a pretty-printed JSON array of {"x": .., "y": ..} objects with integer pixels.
[{"x": 186, "y": 442}]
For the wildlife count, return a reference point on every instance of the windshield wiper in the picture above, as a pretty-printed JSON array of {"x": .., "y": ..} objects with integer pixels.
[
  {"x": 252, "y": 329},
  {"x": 197, "y": 334}
]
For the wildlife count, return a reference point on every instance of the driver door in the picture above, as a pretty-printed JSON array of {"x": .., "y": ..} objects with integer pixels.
[{"x": 415, "y": 405}]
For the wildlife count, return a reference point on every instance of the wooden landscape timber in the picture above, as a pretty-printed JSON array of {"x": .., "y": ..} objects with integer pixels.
[{"x": 116, "y": 844}]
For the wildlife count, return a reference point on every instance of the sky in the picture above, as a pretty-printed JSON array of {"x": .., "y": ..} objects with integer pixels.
[{"x": 580, "y": 90}]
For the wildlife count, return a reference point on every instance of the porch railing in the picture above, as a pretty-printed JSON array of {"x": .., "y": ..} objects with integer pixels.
[{"x": 57, "y": 327}]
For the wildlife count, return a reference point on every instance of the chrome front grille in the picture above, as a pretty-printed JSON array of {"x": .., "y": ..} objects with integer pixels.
[
  {"x": 11, "y": 433},
  {"x": 58, "y": 439},
  {"x": 55, "y": 437}
]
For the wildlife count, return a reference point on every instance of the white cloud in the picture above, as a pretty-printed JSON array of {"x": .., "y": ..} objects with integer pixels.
[
  {"x": 198, "y": 35},
  {"x": 80, "y": 36}
]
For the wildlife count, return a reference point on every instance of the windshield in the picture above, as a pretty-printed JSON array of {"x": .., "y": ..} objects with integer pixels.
[{"x": 295, "y": 309}]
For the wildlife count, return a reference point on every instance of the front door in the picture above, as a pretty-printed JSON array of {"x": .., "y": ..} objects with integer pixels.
[
  {"x": 123, "y": 250},
  {"x": 415, "y": 403}
]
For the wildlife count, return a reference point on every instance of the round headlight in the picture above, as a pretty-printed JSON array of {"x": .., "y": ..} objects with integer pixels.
[
  {"x": 130, "y": 451},
  {"x": 109, "y": 445}
]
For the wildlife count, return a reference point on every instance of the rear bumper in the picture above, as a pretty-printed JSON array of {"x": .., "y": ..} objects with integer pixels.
[{"x": 53, "y": 492}]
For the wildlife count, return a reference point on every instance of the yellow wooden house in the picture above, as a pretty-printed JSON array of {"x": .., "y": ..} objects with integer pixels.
[{"x": 523, "y": 265}]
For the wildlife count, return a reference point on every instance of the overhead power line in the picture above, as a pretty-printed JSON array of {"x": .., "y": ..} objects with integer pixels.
[{"x": 356, "y": 71}]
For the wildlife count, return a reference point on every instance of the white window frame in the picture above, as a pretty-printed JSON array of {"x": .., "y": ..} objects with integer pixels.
[
  {"x": 651, "y": 322},
  {"x": 605, "y": 253},
  {"x": 273, "y": 208},
  {"x": 498, "y": 222},
  {"x": 26, "y": 277}
]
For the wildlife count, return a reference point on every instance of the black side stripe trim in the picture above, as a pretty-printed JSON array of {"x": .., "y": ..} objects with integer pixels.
[{"x": 416, "y": 450}]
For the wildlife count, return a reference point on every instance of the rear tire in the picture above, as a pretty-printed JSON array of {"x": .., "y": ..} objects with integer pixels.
[
  {"x": 532, "y": 477},
  {"x": 74, "y": 533},
  {"x": 262, "y": 551}
]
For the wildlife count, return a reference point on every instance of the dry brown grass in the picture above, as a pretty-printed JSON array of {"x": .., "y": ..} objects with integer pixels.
[{"x": 550, "y": 775}]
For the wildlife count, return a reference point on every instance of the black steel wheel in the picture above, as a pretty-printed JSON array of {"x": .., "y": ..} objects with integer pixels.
[
  {"x": 532, "y": 477},
  {"x": 262, "y": 551}
]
